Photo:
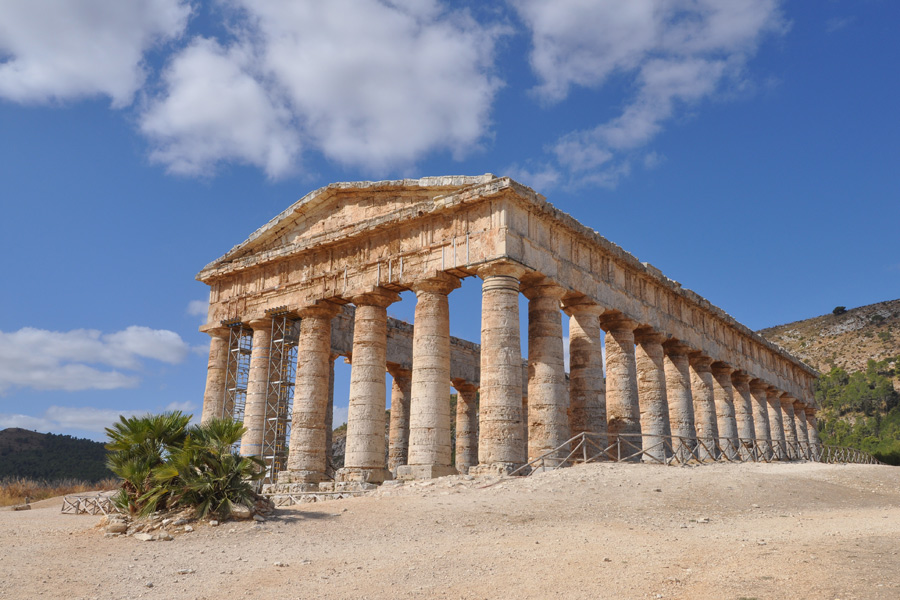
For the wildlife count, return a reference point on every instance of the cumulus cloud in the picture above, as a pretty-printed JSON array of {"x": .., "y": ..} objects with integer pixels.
[
  {"x": 197, "y": 308},
  {"x": 83, "y": 359},
  {"x": 370, "y": 84},
  {"x": 675, "y": 53},
  {"x": 63, "y": 418},
  {"x": 56, "y": 51}
]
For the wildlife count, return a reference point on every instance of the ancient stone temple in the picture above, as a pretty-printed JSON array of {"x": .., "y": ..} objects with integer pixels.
[{"x": 682, "y": 378}]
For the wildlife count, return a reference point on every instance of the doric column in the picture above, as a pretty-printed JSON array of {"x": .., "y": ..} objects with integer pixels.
[
  {"x": 214, "y": 395},
  {"x": 622, "y": 404},
  {"x": 398, "y": 444},
  {"x": 776, "y": 423},
  {"x": 257, "y": 388},
  {"x": 307, "y": 460},
  {"x": 548, "y": 398},
  {"x": 743, "y": 414},
  {"x": 680, "y": 398},
  {"x": 654, "y": 405},
  {"x": 813, "y": 433},
  {"x": 790, "y": 426},
  {"x": 724, "y": 396},
  {"x": 587, "y": 388},
  {"x": 329, "y": 419},
  {"x": 365, "y": 455},
  {"x": 761, "y": 417},
  {"x": 466, "y": 427},
  {"x": 802, "y": 435},
  {"x": 500, "y": 442},
  {"x": 704, "y": 406},
  {"x": 429, "y": 407}
]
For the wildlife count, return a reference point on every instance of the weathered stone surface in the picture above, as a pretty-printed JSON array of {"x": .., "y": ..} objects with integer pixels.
[
  {"x": 680, "y": 398},
  {"x": 761, "y": 417},
  {"x": 587, "y": 386},
  {"x": 704, "y": 406},
  {"x": 257, "y": 388},
  {"x": 776, "y": 423},
  {"x": 801, "y": 425},
  {"x": 743, "y": 412},
  {"x": 723, "y": 392},
  {"x": 215, "y": 373},
  {"x": 654, "y": 405},
  {"x": 622, "y": 405},
  {"x": 466, "y": 427},
  {"x": 398, "y": 444},
  {"x": 790, "y": 426}
]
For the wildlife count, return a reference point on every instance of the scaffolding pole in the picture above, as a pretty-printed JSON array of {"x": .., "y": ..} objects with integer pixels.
[
  {"x": 282, "y": 372},
  {"x": 237, "y": 371}
]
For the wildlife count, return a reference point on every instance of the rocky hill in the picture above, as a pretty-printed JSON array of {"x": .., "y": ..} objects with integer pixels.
[
  {"x": 50, "y": 457},
  {"x": 845, "y": 338}
]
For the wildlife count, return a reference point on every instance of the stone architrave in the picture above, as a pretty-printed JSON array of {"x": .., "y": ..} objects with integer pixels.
[
  {"x": 257, "y": 388},
  {"x": 704, "y": 407},
  {"x": 812, "y": 432},
  {"x": 466, "y": 427},
  {"x": 429, "y": 407},
  {"x": 398, "y": 443},
  {"x": 761, "y": 417},
  {"x": 587, "y": 387},
  {"x": 501, "y": 447},
  {"x": 723, "y": 391},
  {"x": 790, "y": 426},
  {"x": 680, "y": 398},
  {"x": 802, "y": 433},
  {"x": 776, "y": 423},
  {"x": 364, "y": 460},
  {"x": 654, "y": 405},
  {"x": 622, "y": 404},
  {"x": 214, "y": 396},
  {"x": 743, "y": 414},
  {"x": 307, "y": 460},
  {"x": 548, "y": 398}
]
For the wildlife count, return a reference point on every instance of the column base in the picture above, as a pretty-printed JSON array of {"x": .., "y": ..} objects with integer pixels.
[
  {"x": 497, "y": 468},
  {"x": 363, "y": 475},
  {"x": 408, "y": 472},
  {"x": 301, "y": 477}
]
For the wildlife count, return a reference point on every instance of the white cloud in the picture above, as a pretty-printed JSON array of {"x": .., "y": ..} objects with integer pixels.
[
  {"x": 73, "y": 360},
  {"x": 368, "y": 83},
  {"x": 56, "y": 51},
  {"x": 198, "y": 308},
  {"x": 339, "y": 416},
  {"x": 62, "y": 418},
  {"x": 676, "y": 53}
]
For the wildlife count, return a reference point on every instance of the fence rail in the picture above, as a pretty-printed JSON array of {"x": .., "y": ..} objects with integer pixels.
[{"x": 677, "y": 450}]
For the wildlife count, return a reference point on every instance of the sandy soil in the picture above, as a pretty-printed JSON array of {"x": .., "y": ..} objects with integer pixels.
[{"x": 595, "y": 531}]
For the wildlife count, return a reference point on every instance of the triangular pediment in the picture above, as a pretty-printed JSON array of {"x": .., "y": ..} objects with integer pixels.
[{"x": 338, "y": 208}]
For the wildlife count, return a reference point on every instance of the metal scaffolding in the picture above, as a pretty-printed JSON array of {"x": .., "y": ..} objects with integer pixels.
[
  {"x": 237, "y": 370},
  {"x": 279, "y": 391}
]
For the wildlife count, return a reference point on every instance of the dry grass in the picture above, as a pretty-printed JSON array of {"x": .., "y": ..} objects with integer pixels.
[{"x": 14, "y": 490}]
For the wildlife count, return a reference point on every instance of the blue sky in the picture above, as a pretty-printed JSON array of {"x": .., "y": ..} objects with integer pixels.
[{"x": 749, "y": 149}]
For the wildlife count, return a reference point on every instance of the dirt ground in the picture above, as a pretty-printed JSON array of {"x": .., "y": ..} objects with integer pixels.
[{"x": 596, "y": 531}]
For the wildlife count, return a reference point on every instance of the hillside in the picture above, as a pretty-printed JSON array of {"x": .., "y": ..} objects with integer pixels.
[
  {"x": 50, "y": 457},
  {"x": 847, "y": 340}
]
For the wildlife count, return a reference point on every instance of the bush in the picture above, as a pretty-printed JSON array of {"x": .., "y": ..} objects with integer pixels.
[{"x": 839, "y": 310}]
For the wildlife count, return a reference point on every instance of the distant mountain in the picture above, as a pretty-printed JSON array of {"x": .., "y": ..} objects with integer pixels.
[
  {"x": 847, "y": 339},
  {"x": 51, "y": 457}
]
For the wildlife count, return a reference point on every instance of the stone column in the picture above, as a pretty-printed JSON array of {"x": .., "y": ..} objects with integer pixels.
[
  {"x": 802, "y": 434},
  {"x": 790, "y": 426},
  {"x": 654, "y": 405},
  {"x": 500, "y": 442},
  {"x": 257, "y": 388},
  {"x": 307, "y": 460},
  {"x": 622, "y": 404},
  {"x": 398, "y": 445},
  {"x": 466, "y": 427},
  {"x": 587, "y": 388},
  {"x": 813, "y": 433},
  {"x": 364, "y": 460},
  {"x": 429, "y": 407},
  {"x": 681, "y": 401},
  {"x": 704, "y": 406},
  {"x": 329, "y": 420},
  {"x": 743, "y": 415},
  {"x": 724, "y": 396},
  {"x": 761, "y": 417},
  {"x": 548, "y": 397},
  {"x": 214, "y": 396},
  {"x": 776, "y": 423}
]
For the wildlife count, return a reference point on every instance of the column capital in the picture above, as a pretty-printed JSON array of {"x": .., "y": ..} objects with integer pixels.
[
  {"x": 801, "y": 404},
  {"x": 217, "y": 331},
  {"x": 324, "y": 309},
  {"x": 647, "y": 335},
  {"x": 464, "y": 386},
  {"x": 380, "y": 297},
  {"x": 773, "y": 393},
  {"x": 787, "y": 400},
  {"x": 758, "y": 385},
  {"x": 501, "y": 267},
  {"x": 721, "y": 368},
  {"x": 613, "y": 321},
  {"x": 581, "y": 306},
  {"x": 700, "y": 361},
  {"x": 810, "y": 411},
  {"x": 442, "y": 283},
  {"x": 740, "y": 378},
  {"x": 544, "y": 288},
  {"x": 675, "y": 347},
  {"x": 398, "y": 372},
  {"x": 260, "y": 323}
]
